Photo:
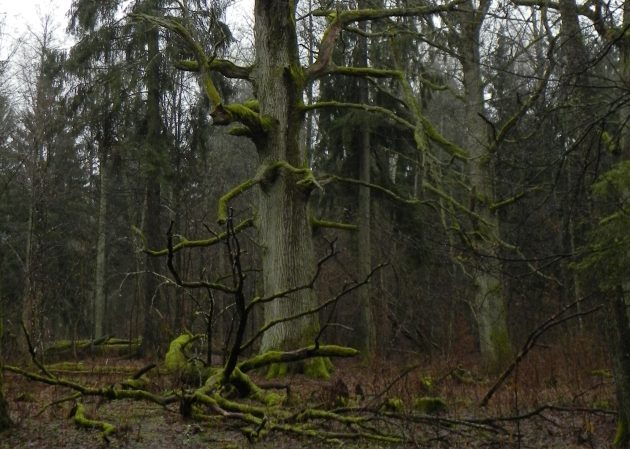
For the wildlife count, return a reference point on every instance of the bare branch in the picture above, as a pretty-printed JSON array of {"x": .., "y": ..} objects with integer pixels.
[
  {"x": 187, "y": 284},
  {"x": 552, "y": 322},
  {"x": 345, "y": 290},
  {"x": 339, "y": 19}
]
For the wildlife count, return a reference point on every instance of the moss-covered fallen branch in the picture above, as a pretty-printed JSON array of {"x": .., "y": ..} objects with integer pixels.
[
  {"x": 108, "y": 392},
  {"x": 61, "y": 345},
  {"x": 81, "y": 420},
  {"x": 271, "y": 357},
  {"x": 266, "y": 420},
  {"x": 80, "y": 368}
]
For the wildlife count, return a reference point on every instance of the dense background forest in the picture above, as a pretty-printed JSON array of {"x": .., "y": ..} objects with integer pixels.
[{"x": 460, "y": 170}]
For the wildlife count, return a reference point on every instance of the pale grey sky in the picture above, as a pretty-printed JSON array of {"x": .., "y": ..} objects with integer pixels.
[{"x": 20, "y": 15}]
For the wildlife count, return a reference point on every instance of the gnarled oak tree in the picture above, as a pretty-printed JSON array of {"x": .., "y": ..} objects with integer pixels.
[{"x": 274, "y": 121}]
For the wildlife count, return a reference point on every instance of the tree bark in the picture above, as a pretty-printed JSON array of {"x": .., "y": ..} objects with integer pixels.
[
  {"x": 366, "y": 327},
  {"x": 288, "y": 258},
  {"x": 101, "y": 240},
  {"x": 28, "y": 302},
  {"x": 575, "y": 61},
  {"x": 489, "y": 301},
  {"x": 151, "y": 341}
]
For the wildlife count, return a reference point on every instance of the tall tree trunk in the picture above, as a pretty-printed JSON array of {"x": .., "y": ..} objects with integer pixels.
[
  {"x": 29, "y": 303},
  {"x": 489, "y": 302},
  {"x": 105, "y": 144},
  {"x": 151, "y": 339},
  {"x": 575, "y": 62},
  {"x": 288, "y": 258},
  {"x": 101, "y": 241},
  {"x": 27, "y": 292},
  {"x": 366, "y": 327}
]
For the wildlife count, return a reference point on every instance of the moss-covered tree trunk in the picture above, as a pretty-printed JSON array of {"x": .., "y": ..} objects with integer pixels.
[
  {"x": 287, "y": 249},
  {"x": 489, "y": 302}
]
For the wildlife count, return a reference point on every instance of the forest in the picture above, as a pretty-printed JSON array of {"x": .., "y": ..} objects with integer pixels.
[{"x": 342, "y": 223}]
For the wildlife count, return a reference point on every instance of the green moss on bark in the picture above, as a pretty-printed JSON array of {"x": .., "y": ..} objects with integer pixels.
[
  {"x": 315, "y": 368},
  {"x": 318, "y": 368},
  {"x": 277, "y": 370},
  {"x": 248, "y": 388},
  {"x": 622, "y": 437},
  {"x": 177, "y": 362},
  {"x": 175, "y": 359}
]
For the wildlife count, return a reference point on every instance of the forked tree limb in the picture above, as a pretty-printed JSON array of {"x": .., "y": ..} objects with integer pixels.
[{"x": 210, "y": 286}]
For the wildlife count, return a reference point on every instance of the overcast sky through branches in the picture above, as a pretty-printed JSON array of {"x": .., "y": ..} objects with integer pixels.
[
  {"x": 23, "y": 15},
  {"x": 20, "y": 16}
]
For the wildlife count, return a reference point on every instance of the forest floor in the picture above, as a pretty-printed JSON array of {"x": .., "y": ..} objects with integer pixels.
[{"x": 557, "y": 398}]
